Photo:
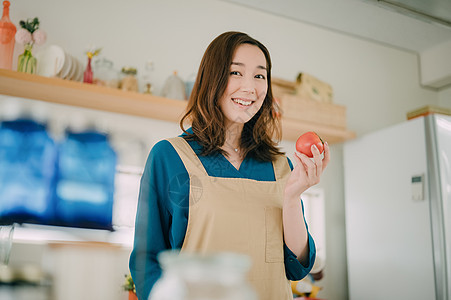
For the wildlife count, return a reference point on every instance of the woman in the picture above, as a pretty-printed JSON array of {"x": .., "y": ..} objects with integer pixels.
[{"x": 223, "y": 185}]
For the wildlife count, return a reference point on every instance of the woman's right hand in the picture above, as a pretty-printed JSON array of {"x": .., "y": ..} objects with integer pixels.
[{"x": 306, "y": 173}]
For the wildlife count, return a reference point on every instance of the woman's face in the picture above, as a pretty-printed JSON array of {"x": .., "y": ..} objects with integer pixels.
[{"x": 247, "y": 85}]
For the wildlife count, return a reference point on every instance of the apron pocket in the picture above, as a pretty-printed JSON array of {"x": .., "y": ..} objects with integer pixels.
[{"x": 274, "y": 234}]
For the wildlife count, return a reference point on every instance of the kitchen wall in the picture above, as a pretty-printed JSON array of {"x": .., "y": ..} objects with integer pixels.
[
  {"x": 378, "y": 84},
  {"x": 445, "y": 97}
]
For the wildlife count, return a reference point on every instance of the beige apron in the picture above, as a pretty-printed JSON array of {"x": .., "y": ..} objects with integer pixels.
[{"x": 239, "y": 215}]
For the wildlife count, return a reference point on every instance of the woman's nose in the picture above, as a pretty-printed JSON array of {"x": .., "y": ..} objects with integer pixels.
[{"x": 248, "y": 85}]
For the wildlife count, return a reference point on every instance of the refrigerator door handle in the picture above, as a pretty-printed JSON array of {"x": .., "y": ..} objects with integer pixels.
[{"x": 436, "y": 209}]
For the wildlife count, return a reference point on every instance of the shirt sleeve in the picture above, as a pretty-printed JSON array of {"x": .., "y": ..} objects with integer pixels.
[
  {"x": 294, "y": 269},
  {"x": 153, "y": 220}
]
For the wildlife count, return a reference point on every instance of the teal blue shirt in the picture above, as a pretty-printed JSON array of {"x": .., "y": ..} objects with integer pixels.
[{"x": 162, "y": 214}]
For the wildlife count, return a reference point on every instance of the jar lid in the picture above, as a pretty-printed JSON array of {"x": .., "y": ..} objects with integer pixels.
[
  {"x": 129, "y": 70},
  {"x": 104, "y": 63}
]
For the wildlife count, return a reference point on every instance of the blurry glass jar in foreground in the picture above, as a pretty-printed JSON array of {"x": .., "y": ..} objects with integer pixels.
[{"x": 187, "y": 276}]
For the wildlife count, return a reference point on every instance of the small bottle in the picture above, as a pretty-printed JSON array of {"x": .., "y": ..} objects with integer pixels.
[
  {"x": 26, "y": 61},
  {"x": 88, "y": 75},
  {"x": 7, "y": 40},
  {"x": 148, "y": 88}
]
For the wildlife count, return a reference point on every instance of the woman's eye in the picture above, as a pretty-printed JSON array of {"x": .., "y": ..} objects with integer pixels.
[
  {"x": 234, "y": 73},
  {"x": 260, "y": 76}
]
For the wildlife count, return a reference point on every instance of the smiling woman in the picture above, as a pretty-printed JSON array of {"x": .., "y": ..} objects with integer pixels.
[
  {"x": 244, "y": 96},
  {"x": 224, "y": 185},
  {"x": 247, "y": 86},
  {"x": 231, "y": 106}
]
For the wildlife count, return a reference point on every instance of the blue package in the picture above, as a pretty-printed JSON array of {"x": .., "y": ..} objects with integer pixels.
[
  {"x": 85, "y": 181},
  {"x": 27, "y": 172}
]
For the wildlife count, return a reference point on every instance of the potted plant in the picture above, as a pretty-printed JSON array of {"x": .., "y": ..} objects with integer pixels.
[
  {"x": 129, "y": 286},
  {"x": 28, "y": 35}
]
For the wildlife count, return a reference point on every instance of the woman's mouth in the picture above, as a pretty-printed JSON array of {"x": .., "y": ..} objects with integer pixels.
[{"x": 242, "y": 101}]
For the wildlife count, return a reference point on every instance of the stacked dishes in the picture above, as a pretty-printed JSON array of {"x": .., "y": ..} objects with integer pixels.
[{"x": 53, "y": 61}]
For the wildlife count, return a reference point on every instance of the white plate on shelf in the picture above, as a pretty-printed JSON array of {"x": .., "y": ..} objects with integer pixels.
[
  {"x": 50, "y": 61},
  {"x": 78, "y": 70},
  {"x": 81, "y": 71},
  {"x": 73, "y": 69},
  {"x": 66, "y": 67}
]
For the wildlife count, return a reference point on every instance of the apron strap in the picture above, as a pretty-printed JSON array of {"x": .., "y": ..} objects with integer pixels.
[
  {"x": 189, "y": 158},
  {"x": 281, "y": 167}
]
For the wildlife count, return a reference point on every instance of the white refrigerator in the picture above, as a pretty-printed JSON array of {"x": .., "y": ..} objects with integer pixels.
[{"x": 398, "y": 211}]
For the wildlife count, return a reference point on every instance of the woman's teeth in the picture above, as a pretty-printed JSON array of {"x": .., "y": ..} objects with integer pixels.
[{"x": 242, "y": 102}]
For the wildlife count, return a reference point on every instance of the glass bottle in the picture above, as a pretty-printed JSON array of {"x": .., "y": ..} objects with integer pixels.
[
  {"x": 27, "y": 62},
  {"x": 88, "y": 75},
  {"x": 148, "y": 88},
  {"x": 129, "y": 82},
  {"x": 105, "y": 74},
  {"x": 147, "y": 78},
  {"x": 7, "y": 33},
  {"x": 186, "y": 276}
]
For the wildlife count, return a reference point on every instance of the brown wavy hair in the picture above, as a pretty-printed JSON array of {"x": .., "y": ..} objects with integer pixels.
[{"x": 204, "y": 112}]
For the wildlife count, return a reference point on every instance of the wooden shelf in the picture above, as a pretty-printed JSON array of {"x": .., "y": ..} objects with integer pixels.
[
  {"x": 79, "y": 94},
  {"x": 292, "y": 129},
  {"x": 73, "y": 93}
]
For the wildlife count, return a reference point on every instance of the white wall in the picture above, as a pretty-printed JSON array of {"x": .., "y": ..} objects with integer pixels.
[
  {"x": 445, "y": 97},
  {"x": 435, "y": 65},
  {"x": 378, "y": 84}
]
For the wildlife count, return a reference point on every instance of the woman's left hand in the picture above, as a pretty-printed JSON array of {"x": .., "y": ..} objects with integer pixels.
[{"x": 306, "y": 173}]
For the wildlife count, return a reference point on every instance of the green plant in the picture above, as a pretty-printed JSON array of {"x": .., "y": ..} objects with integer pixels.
[
  {"x": 129, "y": 285},
  {"x": 30, "y": 24}
]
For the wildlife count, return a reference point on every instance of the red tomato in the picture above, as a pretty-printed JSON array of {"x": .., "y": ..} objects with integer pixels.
[{"x": 305, "y": 142}]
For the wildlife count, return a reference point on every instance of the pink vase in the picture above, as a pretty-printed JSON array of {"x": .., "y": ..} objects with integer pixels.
[
  {"x": 88, "y": 76},
  {"x": 7, "y": 32}
]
